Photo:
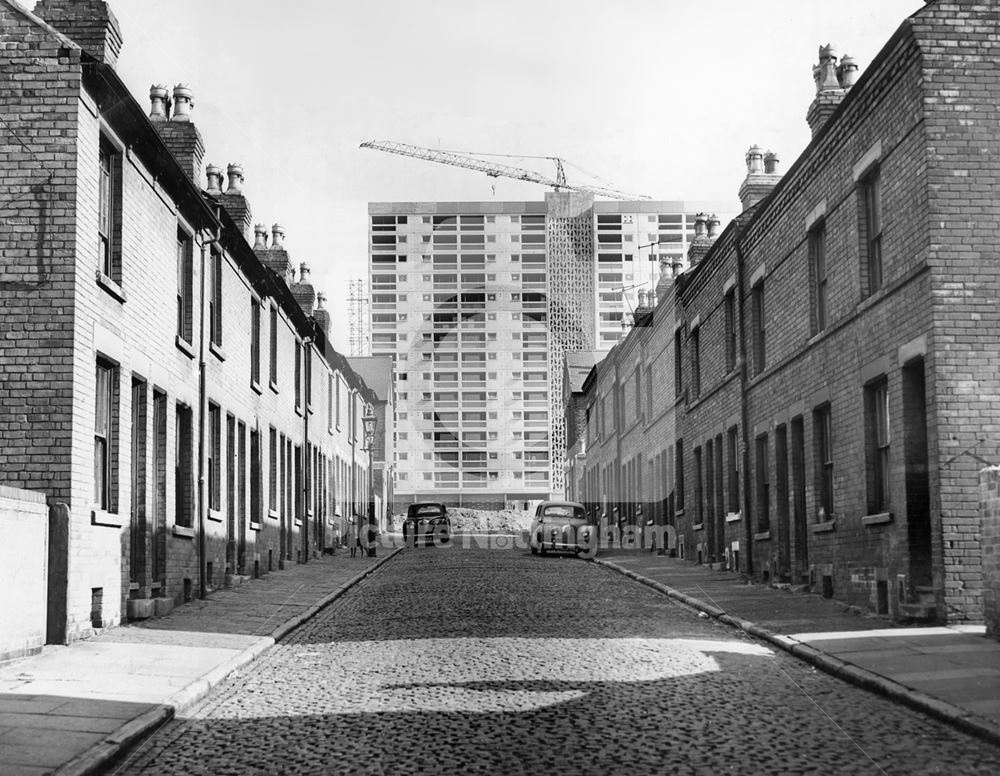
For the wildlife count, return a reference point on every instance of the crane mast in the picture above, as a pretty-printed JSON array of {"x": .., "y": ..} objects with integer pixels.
[{"x": 494, "y": 169}]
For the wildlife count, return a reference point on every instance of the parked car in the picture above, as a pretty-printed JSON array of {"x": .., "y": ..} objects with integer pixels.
[
  {"x": 427, "y": 522},
  {"x": 563, "y": 526}
]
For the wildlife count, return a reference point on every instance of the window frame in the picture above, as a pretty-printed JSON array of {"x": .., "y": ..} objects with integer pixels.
[
  {"x": 758, "y": 327},
  {"x": 818, "y": 276},
  {"x": 185, "y": 287},
  {"x": 105, "y": 436},
  {"x": 109, "y": 213},
  {"x": 878, "y": 445},
  {"x": 823, "y": 430},
  {"x": 870, "y": 188}
]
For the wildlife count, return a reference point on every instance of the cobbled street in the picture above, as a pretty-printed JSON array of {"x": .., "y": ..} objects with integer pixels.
[{"x": 477, "y": 661}]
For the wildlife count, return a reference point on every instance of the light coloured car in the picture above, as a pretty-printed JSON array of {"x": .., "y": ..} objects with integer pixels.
[{"x": 563, "y": 526}]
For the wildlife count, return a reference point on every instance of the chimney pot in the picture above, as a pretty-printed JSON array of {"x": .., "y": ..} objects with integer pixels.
[
  {"x": 214, "y": 176},
  {"x": 158, "y": 99},
  {"x": 235, "y": 175},
  {"x": 278, "y": 236},
  {"x": 303, "y": 272},
  {"x": 260, "y": 237},
  {"x": 771, "y": 162},
  {"x": 848, "y": 72},
  {"x": 183, "y": 103},
  {"x": 700, "y": 225},
  {"x": 713, "y": 226},
  {"x": 755, "y": 160},
  {"x": 642, "y": 297},
  {"x": 825, "y": 73},
  {"x": 320, "y": 299}
]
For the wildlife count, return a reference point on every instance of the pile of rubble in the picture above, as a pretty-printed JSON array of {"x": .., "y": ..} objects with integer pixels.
[{"x": 484, "y": 520}]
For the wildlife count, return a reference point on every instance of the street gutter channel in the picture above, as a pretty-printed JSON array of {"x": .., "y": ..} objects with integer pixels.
[
  {"x": 848, "y": 672},
  {"x": 100, "y": 757}
]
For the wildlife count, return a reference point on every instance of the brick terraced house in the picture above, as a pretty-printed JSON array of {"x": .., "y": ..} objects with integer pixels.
[
  {"x": 833, "y": 352},
  {"x": 166, "y": 385}
]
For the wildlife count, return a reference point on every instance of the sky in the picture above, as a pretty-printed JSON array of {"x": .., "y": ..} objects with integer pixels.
[{"x": 657, "y": 97}]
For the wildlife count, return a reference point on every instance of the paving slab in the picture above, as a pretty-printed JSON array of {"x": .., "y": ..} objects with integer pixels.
[
  {"x": 952, "y": 673},
  {"x": 72, "y": 710}
]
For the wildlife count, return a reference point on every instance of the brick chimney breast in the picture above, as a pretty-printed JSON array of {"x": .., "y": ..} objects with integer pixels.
[
  {"x": 303, "y": 291},
  {"x": 233, "y": 200},
  {"x": 276, "y": 257},
  {"x": 320, "y": 315},
  {"x": 89, "y": 23},
  {"x": 830, "y": 89},
  {"x": 701, "y": 243},
  {"x": 762, "y": 176},
  {"x": 179, "y": 133}
]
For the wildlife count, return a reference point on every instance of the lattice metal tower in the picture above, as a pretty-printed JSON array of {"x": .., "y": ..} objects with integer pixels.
[{"x": 357, "y": 310}]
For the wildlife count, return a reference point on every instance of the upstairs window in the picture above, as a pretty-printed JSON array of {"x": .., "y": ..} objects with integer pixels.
[
  {"x": 254, "y": 342},
  {"x": 730, "y": 307},
  {"x": 695, "y": 362},
  {"x": 215, "y": 299},
  {"x": 871, "y": 228},
  {"x": 273, "y": 360},
  {"x": 818, "y": 277},
  {"x": 109, "y": 216},
  {"x": 185, "y": 286},
  {"x": 759, "y": 327}
]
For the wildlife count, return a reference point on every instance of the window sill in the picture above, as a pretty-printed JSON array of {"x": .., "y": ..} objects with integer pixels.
[
  {"x": 183, "y": 531},
  {"x": 273, "y": 386},
  {"x": 111, "y": 287},
  {"x": 273, "y": 514},
  {"x": 679, "y": 512},
  {"x": 215, "y": 515},
  {"x": 734, "y": 517},
  {"x": 103, "y": 517},
  {"x": 762, "y": 536},
  {"x": 255, "y": 386},
  {"x": 698, "y": 527},
  {"x": 254, "y": 526},
  {"x": 309, "y": 408},
  {"x": 184, "y": 346},
  {"x": 298, "y": 411},
  {"x": 217, "y": 351},
  {"x": 298, "y": 522},
  {"x": 880, "y": 518},
  {"x": 824, "y": 527}
]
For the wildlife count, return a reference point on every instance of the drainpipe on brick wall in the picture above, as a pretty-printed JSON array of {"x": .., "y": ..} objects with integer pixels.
[
  {"x": 307, "y": 471},
  {"x": 744, "y": 411},
  {"x": 202, "y": 399}
]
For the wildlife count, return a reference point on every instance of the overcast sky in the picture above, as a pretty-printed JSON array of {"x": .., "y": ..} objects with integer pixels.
[{"x": 658, "y": 97}]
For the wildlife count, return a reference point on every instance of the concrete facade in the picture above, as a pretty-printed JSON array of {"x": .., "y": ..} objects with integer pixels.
[{"x": 184, "y": 415}]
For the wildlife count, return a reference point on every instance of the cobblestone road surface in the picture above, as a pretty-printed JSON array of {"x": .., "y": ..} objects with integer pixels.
[{"x": 488, "y": 662}]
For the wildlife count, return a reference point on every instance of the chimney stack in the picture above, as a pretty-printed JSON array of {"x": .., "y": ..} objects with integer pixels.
[
  {"x": 303, "y": 291},
  {"x": 762, "y": 176},
  {"x": 276, "y": 257},
  {"x": 88, "y": 23},
  {"x": 178, "y": 132},
  {"x": 233, "y": 201},
  {"x": 701, "y": 243},
  {"x": 833, "y": 81},
  {"x": 320, "y": 315}
]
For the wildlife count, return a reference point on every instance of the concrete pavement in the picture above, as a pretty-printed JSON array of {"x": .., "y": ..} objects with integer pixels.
[
  {"x": 952, "y": 673},
  {"x": 73, "y": 709}
]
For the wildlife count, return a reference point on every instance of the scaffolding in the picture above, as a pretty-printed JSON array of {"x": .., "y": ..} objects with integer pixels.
[{"x": 357, "y": 311}]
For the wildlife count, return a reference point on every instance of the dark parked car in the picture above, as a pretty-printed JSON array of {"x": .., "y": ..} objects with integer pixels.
[
  {"x": 563, "y": 526},
  {"x": 427, "y": 522}
]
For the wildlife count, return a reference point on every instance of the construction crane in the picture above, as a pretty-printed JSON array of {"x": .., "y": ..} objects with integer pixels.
[{"x": 495, "y": 170}]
